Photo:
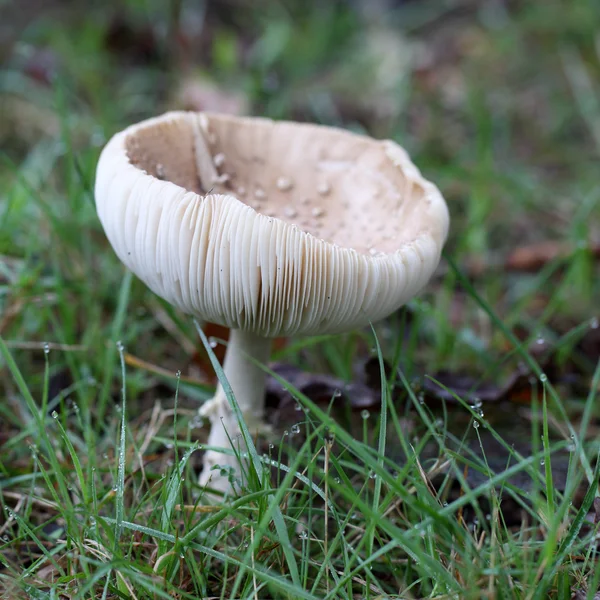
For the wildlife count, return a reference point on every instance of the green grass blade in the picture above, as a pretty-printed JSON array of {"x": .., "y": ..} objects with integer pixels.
[{"x": 256, "y": 461}]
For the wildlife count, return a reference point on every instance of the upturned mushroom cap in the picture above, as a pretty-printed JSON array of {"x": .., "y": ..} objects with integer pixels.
[{"x": 278, "y": 228}]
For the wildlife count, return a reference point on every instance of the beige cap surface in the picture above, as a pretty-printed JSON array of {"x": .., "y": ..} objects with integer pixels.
[{"x": 274, "y": 227}]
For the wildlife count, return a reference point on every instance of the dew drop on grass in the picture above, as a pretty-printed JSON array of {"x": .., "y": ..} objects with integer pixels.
[
  {"x": 337, "y": 393},
  {"x": 372, "y": 475},
  {"x": 212, "y": 342},
  {"x": 298, "y": 406},
  {"x": 543, "y": 378},
  {"x": 338, "y": 480},
  {"x": 286, "y": 433},
  {"x": 120, "y": 346},
  {"x": 365, "y": 414},
  {"x": 421, "y": 398},
  {"x": 271, "y": 446},
  {"x": 303, "y": 535},
  {"x": 542, "y": 462},
  {"x": 476, "y": 424},
  {"x": 540, "y": 341},
  {"x": 54, "y": 414},
  {"x": 178, "y": 374},
  {"x": 46, "y": 348},
  {"x": 295, "y": 428}
]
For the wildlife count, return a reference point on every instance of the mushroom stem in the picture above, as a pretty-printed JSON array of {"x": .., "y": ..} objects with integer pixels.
[{"x": 247, "y": 381}]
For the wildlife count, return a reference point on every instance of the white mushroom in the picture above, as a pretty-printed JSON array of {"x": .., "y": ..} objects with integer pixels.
[{"x": 217, "y": 258}]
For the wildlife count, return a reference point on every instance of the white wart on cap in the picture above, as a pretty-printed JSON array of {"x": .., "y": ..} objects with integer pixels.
[{"x": 276, "y": 227}]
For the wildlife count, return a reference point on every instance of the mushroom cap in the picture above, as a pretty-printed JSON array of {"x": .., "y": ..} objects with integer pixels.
[{"x": 274, "y": 227}]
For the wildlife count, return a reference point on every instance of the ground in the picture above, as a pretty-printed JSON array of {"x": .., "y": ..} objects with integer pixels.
[{"x": 471, "y": 472}]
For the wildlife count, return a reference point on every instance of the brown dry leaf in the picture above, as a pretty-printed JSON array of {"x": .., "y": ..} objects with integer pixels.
[
  {"x": 583, "y": 595},
  {"x": 533, "y": 257},
  {"x": 316, "y": 386},
  {"x": 471, "y": 389},
  {"x": 516, "y": 386}
]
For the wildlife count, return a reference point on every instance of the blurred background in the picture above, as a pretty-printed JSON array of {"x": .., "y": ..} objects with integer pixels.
[{"x": 497, "y": 101}]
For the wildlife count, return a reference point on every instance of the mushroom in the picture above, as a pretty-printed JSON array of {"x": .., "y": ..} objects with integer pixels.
[{"x": 270, "y": 271}]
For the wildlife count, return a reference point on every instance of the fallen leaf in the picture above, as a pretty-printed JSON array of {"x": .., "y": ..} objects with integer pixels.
[
  {"x": 533, "y": 257},
  {"x": 471, "y": 389},
  {"x": 583, "y": 595},
  {"x": 463, "y": 385},
  {"x": 316, "y": 386}
]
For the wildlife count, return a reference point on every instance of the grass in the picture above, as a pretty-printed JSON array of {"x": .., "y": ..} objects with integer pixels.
[{"x": 100, "y": 444}]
